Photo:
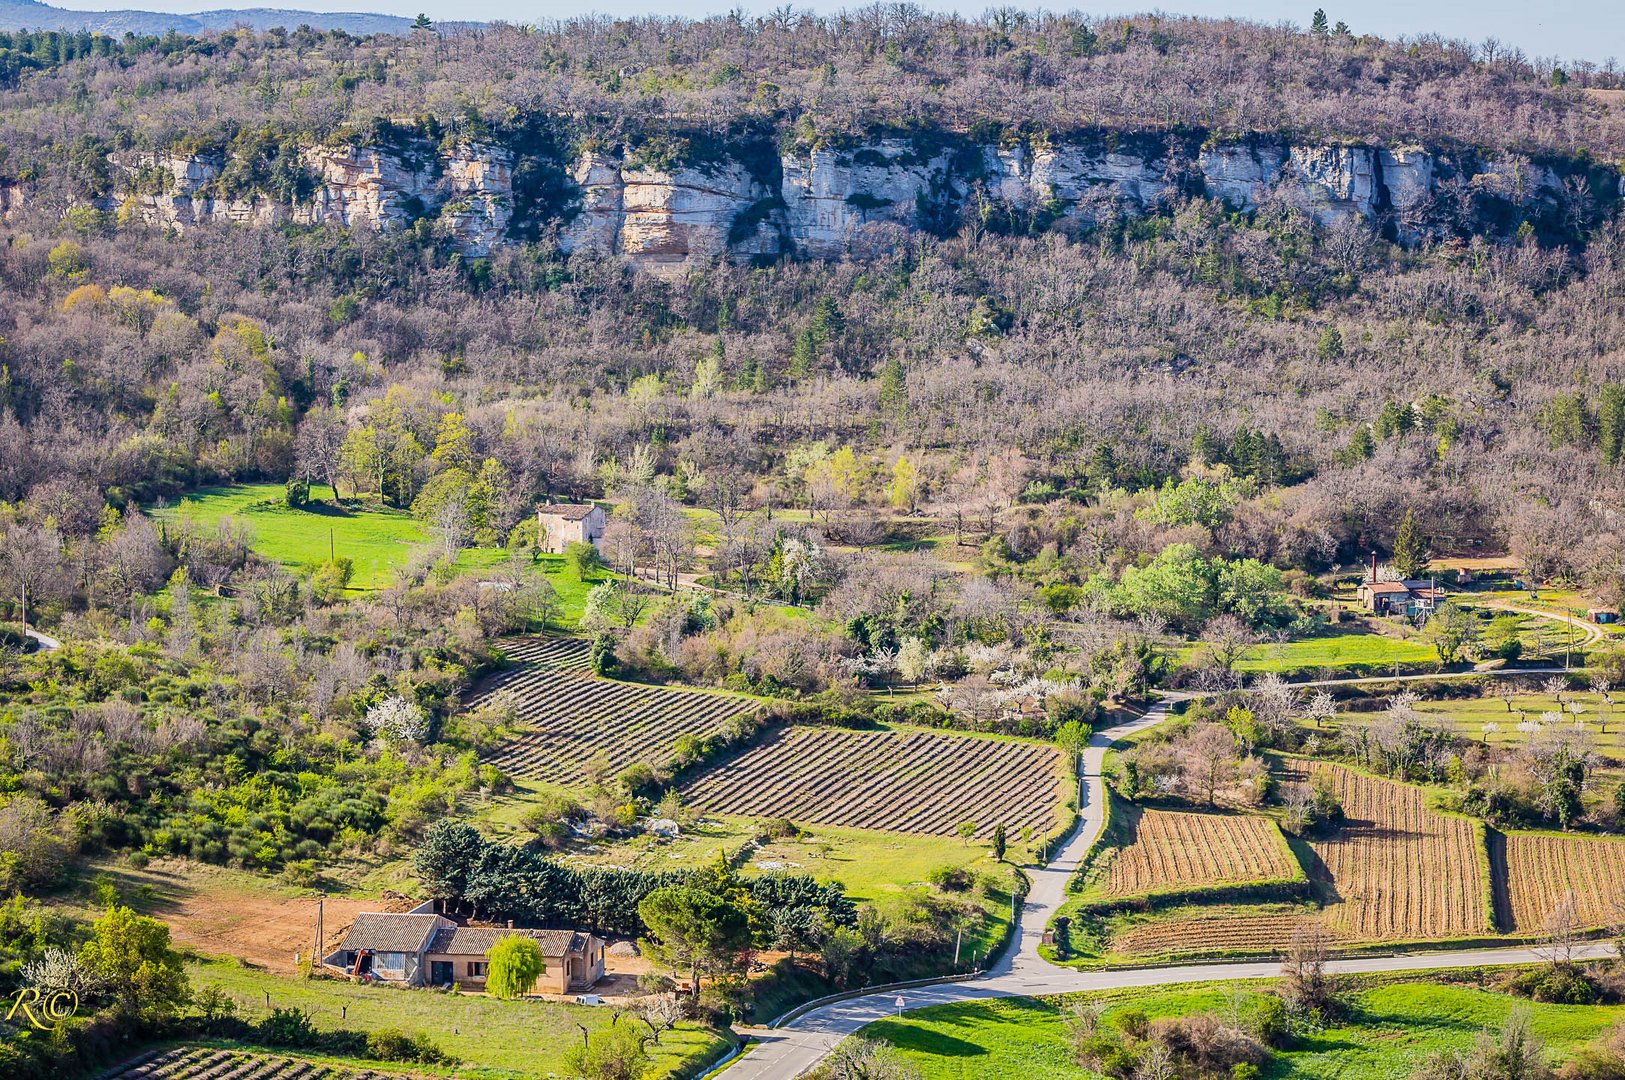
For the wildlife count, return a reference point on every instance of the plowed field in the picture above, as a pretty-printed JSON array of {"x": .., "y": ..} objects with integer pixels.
[
  {"x": 903, "y": 782},
  {"x": 1173, "y": 850},
  {"x": 1397, "y": 870}
]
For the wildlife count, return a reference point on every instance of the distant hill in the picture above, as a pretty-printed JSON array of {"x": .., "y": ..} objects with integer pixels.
[{"x": 31, "y": 15}]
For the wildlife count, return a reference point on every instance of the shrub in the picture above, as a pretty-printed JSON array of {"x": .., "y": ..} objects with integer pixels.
[
  {"x": 779, "y": 828},
  {"x": 951, "y": 878},
  {"x": 1133, "y": 1023},
  {"x": 602, "y": 655},
  {"x": 1557, "y": 985},
  {"x": 392, "y": 1044},
  {"x": 287, "y": 1027}
]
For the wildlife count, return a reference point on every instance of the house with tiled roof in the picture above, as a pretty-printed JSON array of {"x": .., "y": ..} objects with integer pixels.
[
  {"x": 419, "y": 949},
  {"x": 1399, "y": 597}
]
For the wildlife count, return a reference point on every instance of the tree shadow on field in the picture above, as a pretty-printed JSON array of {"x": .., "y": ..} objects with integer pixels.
[{"x": 1314, "y": 867}]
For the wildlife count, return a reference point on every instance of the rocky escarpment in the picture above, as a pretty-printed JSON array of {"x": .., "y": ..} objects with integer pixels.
[
  {"x": 861, "y": 198},
  {"x": 469, "y": 189}
]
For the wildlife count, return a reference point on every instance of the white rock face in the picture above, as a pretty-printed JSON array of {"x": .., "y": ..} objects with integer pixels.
[
  {"x": 830, "y": 202},
  {"x": 838, "y": 201},
  {"x": 1069, "y": 173},
  {"x": 480, "y": 206},
  {"x": 1331, "y": 183},
  {"x": 1518, "y": 180},
  {"x": 1241, "y": 174},
  {"x": 664, "y": 218},
  {"x": 598, "y": 226},
  {"x": 362, "y": 186},
  {"x": 356, "y": 187}
]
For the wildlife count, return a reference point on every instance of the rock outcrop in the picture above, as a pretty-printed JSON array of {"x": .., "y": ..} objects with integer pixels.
[
  {"x": 829, "y": 202},
  {"x": 668, "y": 216},
  {"x": 470, "y": 189}
]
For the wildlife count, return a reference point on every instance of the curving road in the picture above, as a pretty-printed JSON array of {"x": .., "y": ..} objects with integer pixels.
[{"x": 787, "y": 1052}]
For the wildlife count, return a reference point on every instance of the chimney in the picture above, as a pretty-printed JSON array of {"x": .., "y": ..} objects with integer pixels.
[{"x": 1373, "y": 568}]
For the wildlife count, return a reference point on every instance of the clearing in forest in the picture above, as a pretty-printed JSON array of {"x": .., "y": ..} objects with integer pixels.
[
  {"x": 1169, "y": 850},
  {"x": 1397, "y": 870},
  {"x": 571, "y": 718},
  {"x": 1541, "y": 871},
  {"x": 898, "y": 781}
]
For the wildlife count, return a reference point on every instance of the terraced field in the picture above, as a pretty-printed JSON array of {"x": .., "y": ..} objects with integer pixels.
[
  {"x": 1397, "y": 870},
  {"x": 1170, "y": 850},
  {"x": 571, "y": 717},
  {"x": 552, "y": 653},
  {"x": 913, "y": 782},
  {"x": 198, "y": 1063},
  {"x": 1541, "y": 871},
  {"x": 1238, "y": 934}
]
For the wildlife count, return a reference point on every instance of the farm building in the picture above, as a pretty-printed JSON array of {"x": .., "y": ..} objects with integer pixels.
[
  {"x": 1602, "y": 616},
  {"x": 561, "y": 524},
  {"x": 1399, "y": 597},
  {"x": 431, "y": 950}
]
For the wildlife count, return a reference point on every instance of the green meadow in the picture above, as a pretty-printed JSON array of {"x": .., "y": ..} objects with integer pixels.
[
  {"x": 490, "y": 1038},
  {"x": 375, "y": 539},
  {"x": 1394, "y": 1030}
]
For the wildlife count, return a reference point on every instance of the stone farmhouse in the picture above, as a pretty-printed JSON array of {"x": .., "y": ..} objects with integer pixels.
[
  {"x": 423, "y": 949},
  {"x": 558, "y": 525}
]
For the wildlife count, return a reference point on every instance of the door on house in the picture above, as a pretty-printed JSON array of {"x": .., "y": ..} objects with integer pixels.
[{"x": 440, "y": 972}]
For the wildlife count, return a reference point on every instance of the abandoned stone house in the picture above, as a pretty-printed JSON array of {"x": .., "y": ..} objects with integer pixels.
[{"x": 558, "y": 525}]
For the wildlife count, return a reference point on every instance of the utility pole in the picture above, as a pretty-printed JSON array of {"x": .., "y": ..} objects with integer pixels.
[{"x": 316, "y": 956}]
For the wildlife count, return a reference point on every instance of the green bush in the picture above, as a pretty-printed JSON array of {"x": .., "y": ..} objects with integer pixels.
[
  {"x": 1561, "y": 984},
  {"x": 951, "y": 878},
  {"x": 287, "y": 1027},
  {"x": 393, "y": 1044}
]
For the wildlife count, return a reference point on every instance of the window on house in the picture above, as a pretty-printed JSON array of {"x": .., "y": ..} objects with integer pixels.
[{"x": 476, "y": 969}]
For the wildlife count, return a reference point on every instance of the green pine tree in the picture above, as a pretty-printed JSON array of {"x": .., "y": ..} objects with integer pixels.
[
  {"x": 1611, "y": 423},
  {"x": 804, "y": 355},
  {"x": 1318, "y": 25},
  {"x": 1410, "y": 547},
  {"x": 422, "y": 22},
  {"x": 893, "y": 388},
  {"x": 1331, "y": 344}
]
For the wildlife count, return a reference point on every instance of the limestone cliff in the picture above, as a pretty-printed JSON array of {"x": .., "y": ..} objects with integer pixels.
[
  {"x": 834, "y": 201},
  {"x": 469, "y": 188}
]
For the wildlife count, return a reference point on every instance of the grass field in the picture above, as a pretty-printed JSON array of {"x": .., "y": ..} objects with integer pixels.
[
  {"x": 1398, "y": 1027},
  {"x": 880, "y": 868},
  {"x": 1601, "y": 719},
  {"x": 490, "y": 1037},
  {"x": 1337, "y": 649},
  {"x": 376, "y": 540}
]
